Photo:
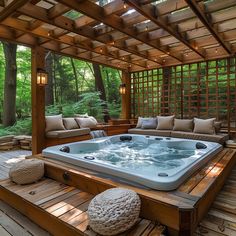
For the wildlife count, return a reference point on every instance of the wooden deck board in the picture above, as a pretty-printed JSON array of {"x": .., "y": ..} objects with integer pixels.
[
  {"x": 8, "y": 214},
  {"x": 61, "y": 199},
  {"x": 68, "y": 208}
]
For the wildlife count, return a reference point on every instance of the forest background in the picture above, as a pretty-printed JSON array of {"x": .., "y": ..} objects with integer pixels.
[{"x": 74, "y": 87}]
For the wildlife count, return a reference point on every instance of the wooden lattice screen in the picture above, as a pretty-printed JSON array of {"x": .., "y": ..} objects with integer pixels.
[{"x": 204, "y": 89}]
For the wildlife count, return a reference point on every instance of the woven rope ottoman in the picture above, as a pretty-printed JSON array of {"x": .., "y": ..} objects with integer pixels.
[
  {"x": 114, "y": 211},
  {"x": 27, "y": 171}
]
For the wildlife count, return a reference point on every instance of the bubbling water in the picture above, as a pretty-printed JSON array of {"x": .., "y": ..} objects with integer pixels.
[{"x": 141, "y": 157}]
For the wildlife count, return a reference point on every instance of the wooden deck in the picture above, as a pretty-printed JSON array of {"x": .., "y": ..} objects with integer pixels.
[
  {"x": 12, "y": 222},
  {"x": 68, "y": 204},
  {"x": 221, "y": 218},
  {"x": 63, "y": 208},
  {"x": 59, "y": 202}
]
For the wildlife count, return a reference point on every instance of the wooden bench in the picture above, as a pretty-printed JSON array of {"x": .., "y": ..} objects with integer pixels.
[{"x": 109, "y": 129}]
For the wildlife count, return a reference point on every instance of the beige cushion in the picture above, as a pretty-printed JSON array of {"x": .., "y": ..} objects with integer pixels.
[
  {"x": 114, "y": 211},
  {"x": 27, "y": 171},
  {"x": 219, "y": 138},
  {"x": 140, "y": 121},
  {"x": 67, "y": 133},
  {"x": 165, "y": 122},
  {"x": 94, "y": 119},
  {"x": 202, "y": 126},
  {"x": 150, "y": 123},
  {"x": 89, "y": 122},
  {"x": 183, "y": 125},
  {"x": 70, "y": 123},
  {"x": 154, "y": 132},
  {"x": 54, "y": 123}
]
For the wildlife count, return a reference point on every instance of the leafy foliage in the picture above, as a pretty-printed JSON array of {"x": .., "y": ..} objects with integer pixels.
[
  {"x": 73, "y": 90},
  {"x": 23, "y": 126}
]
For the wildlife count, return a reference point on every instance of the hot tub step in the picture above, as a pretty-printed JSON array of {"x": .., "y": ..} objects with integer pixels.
[{"x": 61, "y": 209}]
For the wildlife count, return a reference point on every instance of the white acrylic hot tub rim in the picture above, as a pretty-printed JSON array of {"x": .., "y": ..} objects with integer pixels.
[{"x": 170, "y": 182}]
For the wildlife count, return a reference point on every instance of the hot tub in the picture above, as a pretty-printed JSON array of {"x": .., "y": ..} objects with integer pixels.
[{"x": 156, "y": 162}]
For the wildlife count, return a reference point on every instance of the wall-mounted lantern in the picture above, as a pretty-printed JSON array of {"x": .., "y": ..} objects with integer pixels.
[
  {"x": 42, "y": 77},
  {"x": 122, "y": 89}
]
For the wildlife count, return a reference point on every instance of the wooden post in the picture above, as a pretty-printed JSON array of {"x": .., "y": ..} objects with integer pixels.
[
  {"x": 38, "y": 102},
  {"x": 166, "y": 91},
  {"x": 126, "y": 98}
]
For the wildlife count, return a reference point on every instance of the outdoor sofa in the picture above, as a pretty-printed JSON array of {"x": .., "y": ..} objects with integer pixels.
[{"x": 168, "y": 126}]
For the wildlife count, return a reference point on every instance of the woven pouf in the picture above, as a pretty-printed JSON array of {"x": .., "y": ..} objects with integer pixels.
[
  {"x": 27, "y": 171},
  {"x": 114, "y": 211}
]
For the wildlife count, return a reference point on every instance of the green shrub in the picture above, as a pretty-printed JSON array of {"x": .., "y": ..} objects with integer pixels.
[{"x": 21, "y": 127}]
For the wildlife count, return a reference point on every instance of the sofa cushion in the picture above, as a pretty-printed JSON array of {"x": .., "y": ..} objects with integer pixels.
[
  {"x": 89, "y": 122},
  {"x": 165, "y": 122},
  {"x": 140, "y": 121},
  {"x": 67, "y": 133},
  {"x": 150, "y": 123},
  {"x": 204, "y": 126},
  {"x": 70, "y": 123},
  {"x": 155, "y": 132},
  {"x": 183, "y": 125},
  {"x": 54, "y": 123},
  {"x": 219, "y": 138}
]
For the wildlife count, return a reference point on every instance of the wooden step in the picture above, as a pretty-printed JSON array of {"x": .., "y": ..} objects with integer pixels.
[{"x": 61, "y": 209}]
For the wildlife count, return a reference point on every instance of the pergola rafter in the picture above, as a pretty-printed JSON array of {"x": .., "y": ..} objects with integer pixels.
[
  {"x": 17, "y": 36},
  {"x": 114, "y": 21},
  {"x": 151, "y": 12},
  {"x": 11, "y": 8},
  {"x": 201, "y": 14},
  {"x": 142, "y": 35},
  {"x": 68, "y": 25}
]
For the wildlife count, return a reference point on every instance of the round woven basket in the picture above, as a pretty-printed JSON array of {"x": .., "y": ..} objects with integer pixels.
[
  {"x": 27, "y": 171},
  {"x": 114, "y": 211}
]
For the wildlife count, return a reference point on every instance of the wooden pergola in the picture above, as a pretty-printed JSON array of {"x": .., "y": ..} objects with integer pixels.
[{"x": 129, "y": 35}]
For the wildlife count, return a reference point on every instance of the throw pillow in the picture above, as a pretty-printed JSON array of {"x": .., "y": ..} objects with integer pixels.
[
  {"x": 183, "y": 125},
  {"x": 70, "y": 123},
  {"x": 150, "y": 123},
  {"x": 204, "y": 126},
  {"x": 54, "y": 123},
  {"x": 140, "y": 121},
  {"x": 165, "y": 122},
  {"x": 86, "y": 122}
]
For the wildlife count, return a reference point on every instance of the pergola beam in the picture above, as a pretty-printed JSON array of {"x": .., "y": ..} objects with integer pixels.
[
  {"x": 206, "y": 22},
  {"x": 11, "y": 8},
  {"x": 57, "y": 10},
  {"x": 30, "y": 41},
  {"x": 68, "y": 25},
  {"x": 97, "y": 12},
  {"x": 127, "y": 40},
  {"x": 151, "y": 13}
]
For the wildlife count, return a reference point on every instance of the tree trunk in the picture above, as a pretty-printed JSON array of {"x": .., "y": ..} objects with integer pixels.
[
  {"x": 76, "y": 79},
  {"x": 49, "y": 98},
  {"x": 62, "y": 81},
  {"x": 99, "y": 86},
  {"x": 9, "y": 104},
  {"x": 54, "y": 79}
]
